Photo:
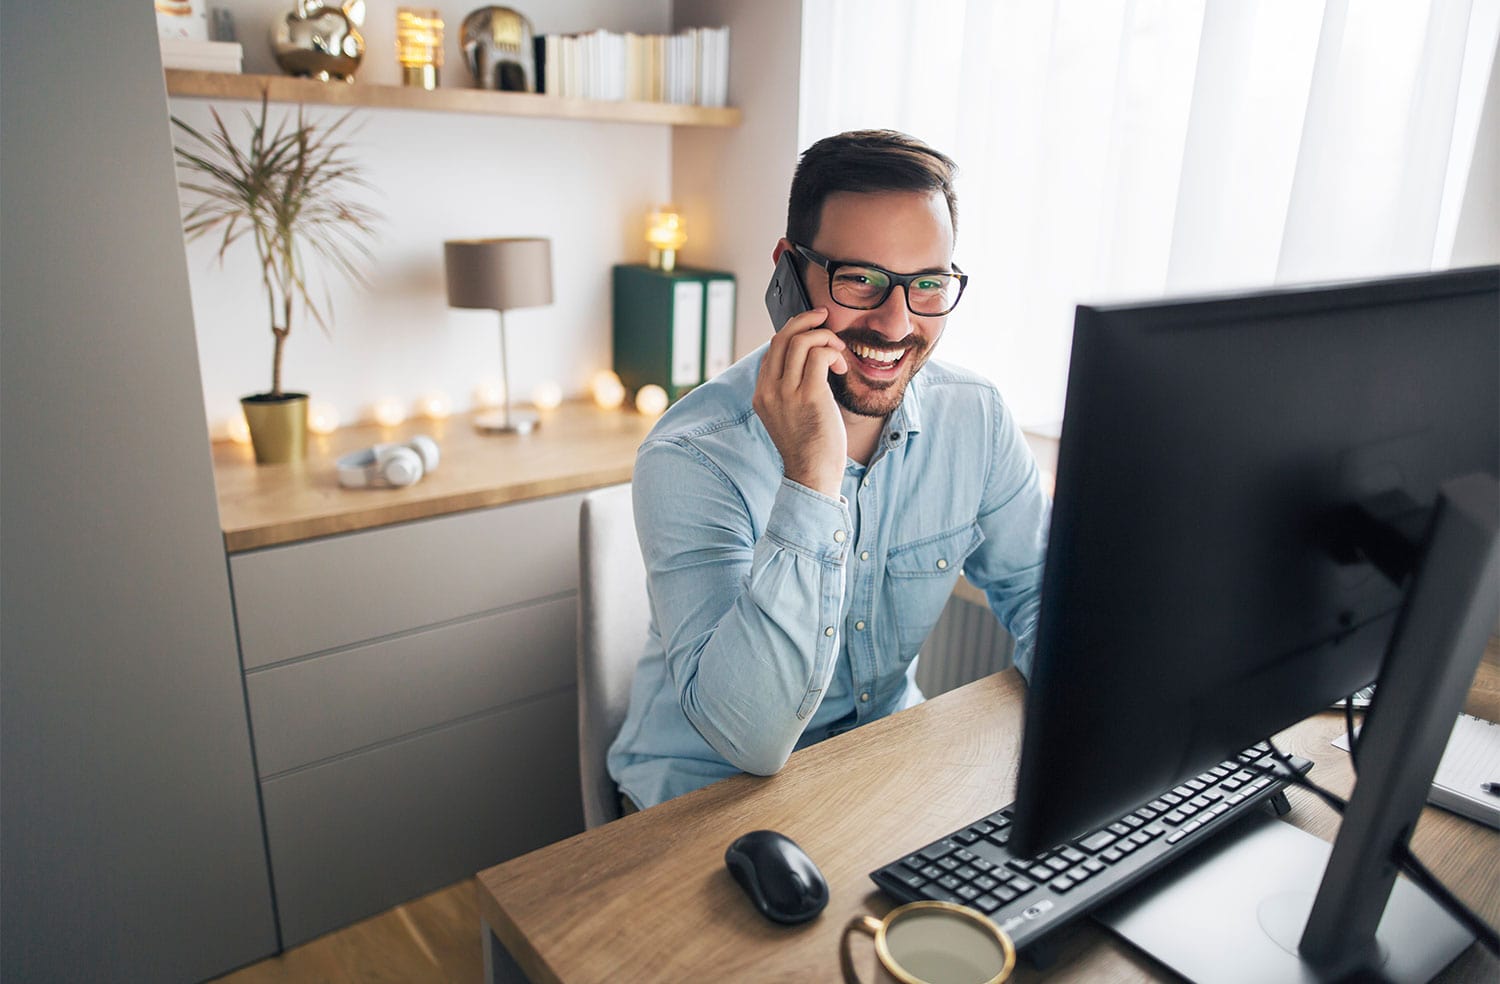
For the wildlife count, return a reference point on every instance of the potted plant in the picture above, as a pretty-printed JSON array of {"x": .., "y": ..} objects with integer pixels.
[{"x": 288, "y": 190}]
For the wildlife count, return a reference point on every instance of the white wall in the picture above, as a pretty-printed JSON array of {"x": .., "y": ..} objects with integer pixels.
[
  {"x": 1477, "y": 238},
  {"x": 733, "y": 185},
  {"x": 438, "y": 176}
]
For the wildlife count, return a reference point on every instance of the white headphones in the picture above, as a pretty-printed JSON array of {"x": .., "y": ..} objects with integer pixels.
[{"x": 389, "y": 465}]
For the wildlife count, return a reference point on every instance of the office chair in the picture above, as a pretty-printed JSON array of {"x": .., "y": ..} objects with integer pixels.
[{"x": 613, "y": 619}]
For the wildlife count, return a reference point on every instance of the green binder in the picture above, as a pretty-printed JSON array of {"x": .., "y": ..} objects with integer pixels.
[{"x": 672, "y": 328}]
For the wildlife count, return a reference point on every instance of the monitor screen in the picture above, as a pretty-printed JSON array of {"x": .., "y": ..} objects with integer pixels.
[{"x": 1195, "y": 600}]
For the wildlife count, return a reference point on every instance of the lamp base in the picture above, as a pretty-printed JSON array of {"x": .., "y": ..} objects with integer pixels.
[{"x": 501, "y": 422}]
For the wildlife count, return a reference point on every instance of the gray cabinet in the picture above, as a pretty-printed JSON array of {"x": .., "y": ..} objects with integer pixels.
[{"x": 413, "y": 702}]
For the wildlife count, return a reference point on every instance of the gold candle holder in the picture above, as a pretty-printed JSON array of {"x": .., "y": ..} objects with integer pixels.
[{"x": 419, "y": 45}]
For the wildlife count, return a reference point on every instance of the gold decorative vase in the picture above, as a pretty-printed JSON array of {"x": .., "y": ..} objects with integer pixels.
[
  {"x": 320, "y": 40},
  {"x": 278, "y": 426}
]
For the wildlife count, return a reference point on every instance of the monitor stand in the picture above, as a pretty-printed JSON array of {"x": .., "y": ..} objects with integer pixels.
[
  {"x": 1277, "y": 904},
  {"x": 1234, "y": 912}
]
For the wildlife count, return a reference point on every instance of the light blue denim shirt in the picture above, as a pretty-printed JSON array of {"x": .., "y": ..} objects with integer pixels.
[{"x": 781, "y": 616}]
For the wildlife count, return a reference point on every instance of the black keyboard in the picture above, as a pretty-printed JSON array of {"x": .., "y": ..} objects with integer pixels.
[{"x": 1033, "y": 896}]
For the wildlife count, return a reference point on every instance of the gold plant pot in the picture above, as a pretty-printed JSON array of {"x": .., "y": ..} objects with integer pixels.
[{"x": 278, "y": 426}]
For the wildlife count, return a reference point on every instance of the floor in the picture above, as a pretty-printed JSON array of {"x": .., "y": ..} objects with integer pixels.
[{"x": 434, "y": 938}]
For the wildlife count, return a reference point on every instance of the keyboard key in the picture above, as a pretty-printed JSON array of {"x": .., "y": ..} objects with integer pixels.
[
  {"x": 965, "y": 856},
  {"x": 914, "y": 861},
  {"x": 982, "y": 864},
  {"x": 949, "y": 863},
  {"x": 982, "y": 827},
  {"x": 932, "y": 872},
  {"x": 912, "y": 879},
  {"x": 1094, "y": 865},
  {"x": 967, "y": 892},
  {"x": 939, "y": 894},
  {"x": 986, "y": 904},
  {"x": 966, "y": 837},
  {"x": 1061, "y": 883},
  {"x": 1112, "y": 855},
  {"x": 934, "y": 851},
  {"x": 1021, "y": 886},
  {"x": 968, "y": 873},
  {"x": 1118, "y": 828},
  {"x": 950, "y": 883},
  {"x": 1001, "y": 836},
  {"x": 1005, "y": 893},
  {"x": 1097, "y": 841},
  {"x": 1175, "y": 817},
  {"x": 1071, "y": 854},
  {"x": 1079, "y": 873}
]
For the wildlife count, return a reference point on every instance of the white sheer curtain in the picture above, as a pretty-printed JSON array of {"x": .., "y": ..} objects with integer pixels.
[{"x": 1122, "y": 149}]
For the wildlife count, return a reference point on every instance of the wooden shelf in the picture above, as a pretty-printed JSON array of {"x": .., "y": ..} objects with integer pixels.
[
  {"x": 286, "y": 89},
  {"x": 577, "y": 447}
]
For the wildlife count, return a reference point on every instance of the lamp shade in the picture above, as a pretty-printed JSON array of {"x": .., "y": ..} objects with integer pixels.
[{"x": 498, "y": 274}]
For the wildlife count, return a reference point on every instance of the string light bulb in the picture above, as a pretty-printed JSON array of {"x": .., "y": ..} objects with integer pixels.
[
  {"x": 238, "y": 429},
  {"x": 546, "y": 396},
  {"x": 322, "y": 418},
  {"x": 435, "y": 406},
  {"x": 489, "y": 394},
  {"x": 651, "y": 400},
  {"x": 389, "y": 413},
  {"x": 608, "y": 391}
]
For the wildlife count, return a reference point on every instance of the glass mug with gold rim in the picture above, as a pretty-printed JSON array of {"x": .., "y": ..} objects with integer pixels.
[{"x": 932, "y": 943}]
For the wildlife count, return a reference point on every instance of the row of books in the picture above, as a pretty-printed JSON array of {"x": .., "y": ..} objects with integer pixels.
[
  {"x": 690, "y": 67},
  {"x": 202, "y": 56}
]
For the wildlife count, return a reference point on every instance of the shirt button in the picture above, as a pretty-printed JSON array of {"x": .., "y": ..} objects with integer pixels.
[
  {"x": 828, "y": 631},
  {"x": 866, "y": 482},
  {"x": 864, "y": 698},
  {"x": 942, "y": 565},
  {"x": 838, "y": 536},
  {"x": 864, "y": 555},
  {"x": 859, "y": 626}
]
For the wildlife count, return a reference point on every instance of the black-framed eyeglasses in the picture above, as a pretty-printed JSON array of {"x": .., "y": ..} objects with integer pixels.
[{"x": 865, "y": 288}]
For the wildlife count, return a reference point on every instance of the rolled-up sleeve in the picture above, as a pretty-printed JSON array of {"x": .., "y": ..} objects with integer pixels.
[{"x": 750, "y": 623}]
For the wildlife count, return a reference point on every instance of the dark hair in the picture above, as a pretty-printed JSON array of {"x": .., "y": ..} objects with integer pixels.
[{"x": 863, "y": 161}]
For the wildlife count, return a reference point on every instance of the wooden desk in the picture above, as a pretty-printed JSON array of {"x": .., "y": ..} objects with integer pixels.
[{"x": 648, "y": 898}]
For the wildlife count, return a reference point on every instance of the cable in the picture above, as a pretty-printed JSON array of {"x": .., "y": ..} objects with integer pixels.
[{"x": 1401, "y": 853}]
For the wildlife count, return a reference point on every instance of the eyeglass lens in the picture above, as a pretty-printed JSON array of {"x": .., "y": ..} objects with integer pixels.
[{"x": 864, "y": 288}]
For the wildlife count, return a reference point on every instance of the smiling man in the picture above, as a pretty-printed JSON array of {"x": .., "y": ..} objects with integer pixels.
[{"x": 804, "y": 515}]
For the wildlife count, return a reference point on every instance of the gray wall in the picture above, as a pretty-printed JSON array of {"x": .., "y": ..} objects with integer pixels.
[{"x": 129, "y": 830}]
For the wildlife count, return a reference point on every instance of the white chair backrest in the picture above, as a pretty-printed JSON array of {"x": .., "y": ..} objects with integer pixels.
[{"x": 613, "y": 620}]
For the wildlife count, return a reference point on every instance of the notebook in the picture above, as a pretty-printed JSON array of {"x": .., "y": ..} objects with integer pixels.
[{"x": 1471, "y": 759}]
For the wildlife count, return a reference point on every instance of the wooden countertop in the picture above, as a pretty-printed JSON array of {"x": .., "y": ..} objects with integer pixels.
[{"x": 577, "y": 447}]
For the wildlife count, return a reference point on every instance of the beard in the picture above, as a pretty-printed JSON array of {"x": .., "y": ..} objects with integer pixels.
[{"x": 880, "y": 398}]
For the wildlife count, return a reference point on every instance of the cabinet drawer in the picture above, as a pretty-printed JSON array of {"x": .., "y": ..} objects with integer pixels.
[
  {"x": 359, "y": 835},
  {"x": 310, "y": 597},
  {"x": 312, "y": 709}
]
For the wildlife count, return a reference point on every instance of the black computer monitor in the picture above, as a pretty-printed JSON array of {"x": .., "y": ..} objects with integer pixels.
[{"x": 1227, "y": 468}]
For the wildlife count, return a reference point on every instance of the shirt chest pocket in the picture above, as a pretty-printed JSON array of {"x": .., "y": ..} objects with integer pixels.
[{"x": 920, "y": 576}]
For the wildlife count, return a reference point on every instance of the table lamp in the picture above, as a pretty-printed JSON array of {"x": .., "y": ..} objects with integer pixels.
[{"x": 500, "y": 275}]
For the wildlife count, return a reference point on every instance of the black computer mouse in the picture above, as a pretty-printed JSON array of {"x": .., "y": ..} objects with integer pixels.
[{"x": 778, "y": 876}]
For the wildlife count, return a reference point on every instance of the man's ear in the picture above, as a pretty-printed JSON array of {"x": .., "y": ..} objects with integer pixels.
[{"x": 782, "y": 245}]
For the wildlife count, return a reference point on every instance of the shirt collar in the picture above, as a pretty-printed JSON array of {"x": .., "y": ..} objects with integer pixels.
[{"x": 908, "y": 416}]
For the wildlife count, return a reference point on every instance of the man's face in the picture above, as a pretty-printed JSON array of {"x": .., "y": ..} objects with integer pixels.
[{"x": 900, "y": 231}]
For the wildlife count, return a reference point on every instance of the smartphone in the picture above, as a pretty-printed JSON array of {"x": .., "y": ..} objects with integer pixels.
[{"x": 785, "y": 296}]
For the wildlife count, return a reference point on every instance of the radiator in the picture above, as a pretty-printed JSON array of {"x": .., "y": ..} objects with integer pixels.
[{"x": 967, "y": 643}]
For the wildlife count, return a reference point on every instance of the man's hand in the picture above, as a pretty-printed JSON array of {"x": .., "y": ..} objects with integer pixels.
[{"x": 796, "y": 406}]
